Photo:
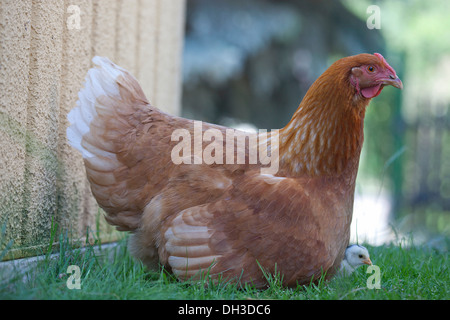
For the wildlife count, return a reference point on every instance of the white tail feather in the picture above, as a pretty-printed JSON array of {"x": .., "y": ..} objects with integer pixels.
[{"x": 100, "y": 81}]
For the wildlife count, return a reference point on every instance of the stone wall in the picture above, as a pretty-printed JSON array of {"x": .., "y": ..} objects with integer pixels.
[{"x": 46, "y": 47}]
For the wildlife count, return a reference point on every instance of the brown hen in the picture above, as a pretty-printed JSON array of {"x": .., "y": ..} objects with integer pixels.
[{"x": 198, "y": 201}]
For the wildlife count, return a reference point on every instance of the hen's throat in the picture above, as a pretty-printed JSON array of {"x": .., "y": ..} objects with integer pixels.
[{"x": 324, "y": 138}]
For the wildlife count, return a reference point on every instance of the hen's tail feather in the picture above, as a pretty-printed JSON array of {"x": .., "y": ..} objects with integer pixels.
[
  {"x": 103, "y": 116},
  {"x": 102, "y": 82}
]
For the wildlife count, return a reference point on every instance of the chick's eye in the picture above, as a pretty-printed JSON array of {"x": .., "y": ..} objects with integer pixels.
[
  {"x": 371, "y": 68},
  {"x": 360, "y": 256}
]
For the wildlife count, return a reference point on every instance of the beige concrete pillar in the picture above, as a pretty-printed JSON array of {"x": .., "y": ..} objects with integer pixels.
[{"x": 46, "y": 48}]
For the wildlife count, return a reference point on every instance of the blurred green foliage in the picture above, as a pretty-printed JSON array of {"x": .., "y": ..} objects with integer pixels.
[{"x": 417, "y": 37}]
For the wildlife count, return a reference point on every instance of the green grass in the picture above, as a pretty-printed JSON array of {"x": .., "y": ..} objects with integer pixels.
[{"x": 406, "y": 273}]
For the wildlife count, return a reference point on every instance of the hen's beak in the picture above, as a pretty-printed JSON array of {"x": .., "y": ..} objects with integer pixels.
[
  {"x": 393, "y": 81},
  {"x": 367, "y": 261}
]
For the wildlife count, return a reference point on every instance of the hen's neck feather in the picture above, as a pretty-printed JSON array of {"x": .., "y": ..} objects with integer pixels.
[{"x": 325, "y": 135}]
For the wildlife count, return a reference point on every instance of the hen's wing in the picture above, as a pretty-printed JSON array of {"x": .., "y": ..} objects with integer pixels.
[{"x": 261, "y": 220}]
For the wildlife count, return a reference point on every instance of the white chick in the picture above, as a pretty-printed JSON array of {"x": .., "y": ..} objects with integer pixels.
[{"x": 355, "y": 256}]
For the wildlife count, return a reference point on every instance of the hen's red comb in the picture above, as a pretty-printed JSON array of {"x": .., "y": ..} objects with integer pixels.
[{"x": 379, "y": 56}]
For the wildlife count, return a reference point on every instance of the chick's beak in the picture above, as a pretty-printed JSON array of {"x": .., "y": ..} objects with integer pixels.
[
  {"x": 367, "y": 261},
  {"x": 393, "y": 81}
]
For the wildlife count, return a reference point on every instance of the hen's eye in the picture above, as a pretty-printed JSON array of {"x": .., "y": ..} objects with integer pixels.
[
  {"x": 371, "y": 68},
  {"x": 361, "y": 256}
]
